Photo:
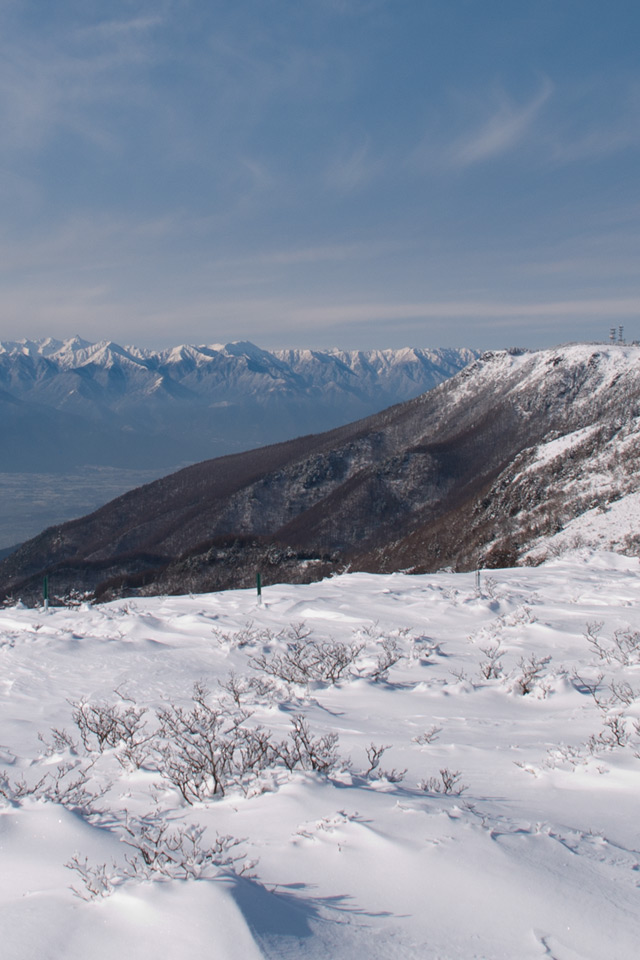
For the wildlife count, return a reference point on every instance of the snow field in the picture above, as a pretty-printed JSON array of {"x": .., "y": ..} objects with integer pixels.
[{"x": 537, "y": 856}]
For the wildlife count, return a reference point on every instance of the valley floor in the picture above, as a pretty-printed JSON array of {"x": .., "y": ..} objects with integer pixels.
[
  {"x": 29, "y": 502},
  {"x": 500, "y": 822}
]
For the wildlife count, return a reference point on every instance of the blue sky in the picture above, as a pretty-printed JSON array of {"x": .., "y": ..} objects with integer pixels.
[{"x": 357, "y": 173}]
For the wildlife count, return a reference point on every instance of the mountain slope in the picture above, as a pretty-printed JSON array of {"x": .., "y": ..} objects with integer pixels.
[{"x": 474, "y": 472}]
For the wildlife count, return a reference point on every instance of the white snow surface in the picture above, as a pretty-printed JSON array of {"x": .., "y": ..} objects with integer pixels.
[
  {"x": 612, "y": 528},
  {"x": 538, "y": 856},
  {"x": 558, "y": 447}
]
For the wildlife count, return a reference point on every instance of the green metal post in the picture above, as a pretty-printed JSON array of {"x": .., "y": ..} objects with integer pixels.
[
  {"x": 45, "y": 592},
  {"x": 259, "y": 586}
]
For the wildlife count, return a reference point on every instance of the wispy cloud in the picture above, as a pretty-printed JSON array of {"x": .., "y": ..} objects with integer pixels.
[
  {"x": 80, "y": 243},
  {"x": 119, "y": 28},
  {"x": 97, "y": 311},
  {"x": 470, "y": 309},
  {"x": 89, "y": 242},
  {"x": 594, "y": 144},
  {"x": 507, "y": 126},
  {"x": 352, "y": 7},
  {"x": 53, "y": 81},
  {"x": 561, "y": 124},
  {"x": 471, "y": 127},
  {"x": 253, "y": 63},
  {"x": 595, "y": 118},
  {"x": 326, "y": 253},
  {"x": 353, "y": 168}
]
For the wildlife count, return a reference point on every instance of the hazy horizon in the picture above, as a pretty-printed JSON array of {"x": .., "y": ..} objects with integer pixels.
[{"x": 158, "y": 344}]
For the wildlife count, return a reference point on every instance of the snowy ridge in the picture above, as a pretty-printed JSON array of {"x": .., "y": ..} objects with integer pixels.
[
  {"x": 474, "y": 791},
  {"x": 571, "y": 487},
  {"x": 571, "y": 417}
]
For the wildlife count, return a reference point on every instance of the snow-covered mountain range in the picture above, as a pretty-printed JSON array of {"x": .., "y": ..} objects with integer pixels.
[
  {"x": 69, "y": 403},
  {"x": 492, "y": 467}
]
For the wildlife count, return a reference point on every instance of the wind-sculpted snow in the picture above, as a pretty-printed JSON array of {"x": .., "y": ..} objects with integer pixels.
[{"x": 370, "y": 767}]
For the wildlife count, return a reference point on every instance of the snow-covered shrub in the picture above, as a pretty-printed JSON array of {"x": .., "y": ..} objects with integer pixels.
[
  {"x": 613, "y": 698},
  {"x": 491, "y": 666},
  {"x": 98, "y": 880},
  {"x": 302, "y": 749},
  {"x": 13, "y": 791},
  {"x": 203, "y": 750},
  {"x": 306, "y": 661},
  {"x": 245, "y": 637},
  {"x": 529, "y": 674},
  {"x": 160, "y": 853},
  {"x": 623, "y": 647},
  {"x": 179, "y": 853},
  {"x": 374, "y": 754},
  {"x": 68, "y": 784},
  {"x": 489, "y": 588},
  {"x": 387, "y": 658},
  {"x": 103, "y": 725},
  {"x": 74, "y": 598},
  {"x": 614, "y": 731},
  {"x": 208, "y": 748},
  {"x": 448, "y": 783},
  {"x": 429, "y": 736},
  {"x": 564, "y": 755},
  {"x": 374, "y": 770}
]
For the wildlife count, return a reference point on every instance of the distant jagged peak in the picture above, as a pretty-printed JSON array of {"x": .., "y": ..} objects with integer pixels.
[
  {"x": 200, "y": 353},
  {"x": 244, "y": 348},
  {"x": 43, "y": 347},
  {"x": 72, "y": 351},
  {"x": 75, "y": 343},
  {"x": 77, "y": 353},
  {"x": 52, "y": 347},
  {"x": 399, "y": 356},
  {"x": 191, "y": 355},
  {"x": 76, "y": 348},
  {"x": 205, "y": 353},
  {"x": 398, "y": 372}
]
